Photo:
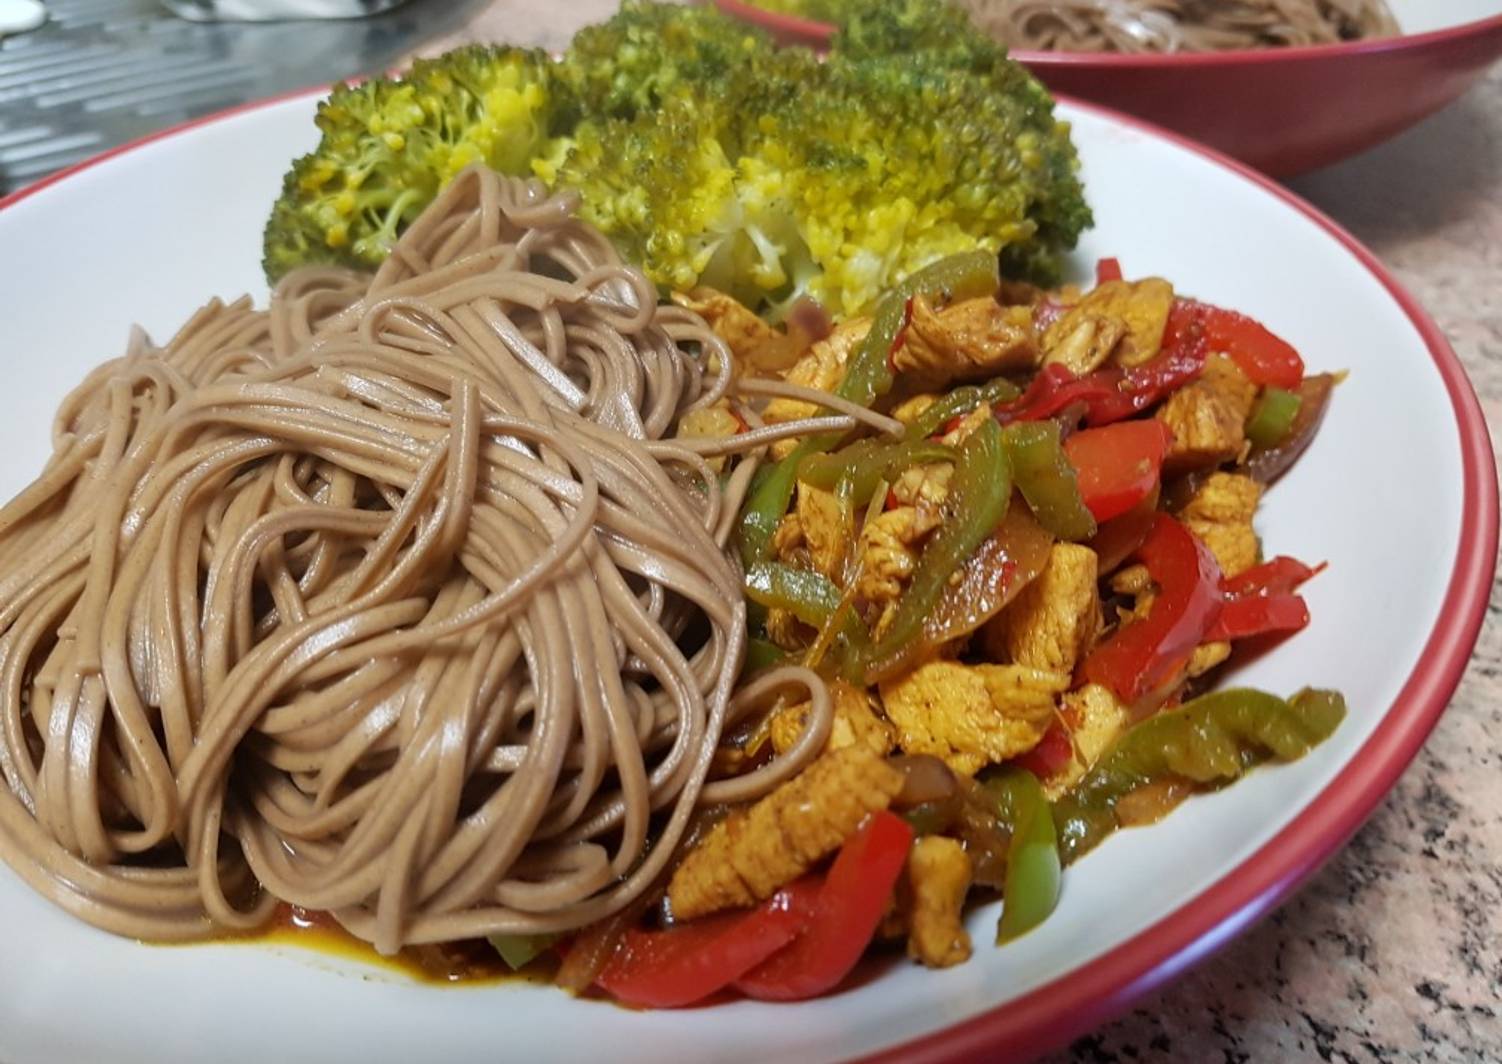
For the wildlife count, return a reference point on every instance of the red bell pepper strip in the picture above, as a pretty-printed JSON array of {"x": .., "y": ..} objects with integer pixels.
[
  {"x": 1262, "y": 356},
  {"x": 1107, "y": 270},
  {"x": 1261, "y": 601},
  {"x": 1119, "y": 465},
  {"x": 849, "y": 907},
  {"x": 1142, "y": 655},
  {"x": 1053, "y": 753},
  {"x": 1118, "y": 539},
  {"x": 682, "y": 965},
  {"x": 1241, "y": 618},
  {"x": 1053, "y": 388},
  {"x": 1112, "y": 394},
  {"x": 1276, "y": 577},
  {"x": 900, "y": 340},
  {"x": 1180, "y": 360}
]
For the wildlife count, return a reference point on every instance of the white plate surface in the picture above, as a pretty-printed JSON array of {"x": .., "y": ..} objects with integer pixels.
[{"x": 147, "y": 236}]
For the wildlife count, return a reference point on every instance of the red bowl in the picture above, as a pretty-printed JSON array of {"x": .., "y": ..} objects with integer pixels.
[{"x": 1281, "y": 110}]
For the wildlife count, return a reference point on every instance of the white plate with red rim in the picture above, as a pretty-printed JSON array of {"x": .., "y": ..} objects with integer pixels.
[{"x": 1398, "y": 493}]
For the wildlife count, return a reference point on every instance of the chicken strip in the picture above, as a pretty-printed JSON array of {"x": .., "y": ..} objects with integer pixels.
[
  {"x": 752, "y": 852},
  {"x": 1220, "y": 513},
  {"x": 1120, "y": 319},
  {"x": 938, "y": 872},
  {"x": 971, "y": 715},
  {"x": 856, "y": 722},
  {"x": 714, "y": 422},
  {"x": 1053, "y": 620},
  {"x": 971, "y": 340},
  {"x": 1096, "y": 719},
  {"x": 754, "y": 343},
  {"x": 1208, "y": 417},
  {"x": 822, "y": 367}
]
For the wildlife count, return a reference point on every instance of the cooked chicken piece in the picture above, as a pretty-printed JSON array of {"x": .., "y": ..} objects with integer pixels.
[
  {"x": 1220, "y": 513},
  {"x": 1135, "y": 580},
  {"x": 855, "y": 722},
  {"x": 1208, "y": 416},
  {"x": 788, "y": 543},
  {"x": 714, "y": 422},
  {"x": 899, "y": 915},
  {"x": 787, "y": 631},
  {"x": 747, "y": 856},
  {"x": 1052, "y": 621},
  {"x": 1095, "y": 719},
  {"x": 825, "y": 532},
  {"x": 888, "y": 554},
  {"x": 911, "y": 408},
  {"x": 938, "y": 872},
  {"x": 1087, "y": 345},
  {"x": 1207, "y": 656},
  {"x": 1121, "y": 318},
  {"x": 1131, "y": 580},
  {"x": 970, "y": 340},
  {"x": 968, "y": 424},
  {"x": 821, "y": 367},
  {"x": 971, "y": 715},
  {"x": 1222, "y": 372},
  {"x": 1024, "y": 293},
  {"x": 754, "y": 343},
  {"x": 925, "y": 487}
]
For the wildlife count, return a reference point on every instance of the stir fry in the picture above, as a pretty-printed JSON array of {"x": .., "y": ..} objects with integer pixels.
[{"x": 1020, "y": 595}]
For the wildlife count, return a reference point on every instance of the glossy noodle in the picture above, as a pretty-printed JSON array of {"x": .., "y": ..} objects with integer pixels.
[
  {"x": 1178, "y": 25},
  {"x": 394, "y": 600}
]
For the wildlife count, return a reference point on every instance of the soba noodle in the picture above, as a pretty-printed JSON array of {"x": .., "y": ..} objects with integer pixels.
[
  {"x": 394, "y": 600},
  {"x": 1177, "y": 25}
]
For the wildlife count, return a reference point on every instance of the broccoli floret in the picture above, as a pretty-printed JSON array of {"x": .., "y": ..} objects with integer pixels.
[
  {"x": 878, "y": 164},
  {"x": 650, "y": 51},
  {"x": 389, "y": 145},
  {"x": 710, "y": 156},
  {"x": 934, "y": 28},
  {"x": 677, "y": 199}
]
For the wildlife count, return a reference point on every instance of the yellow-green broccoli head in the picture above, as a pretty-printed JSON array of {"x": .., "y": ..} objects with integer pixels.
[
  {"x": 712, "y": 157},
  {"x": 389, "y": 145}
]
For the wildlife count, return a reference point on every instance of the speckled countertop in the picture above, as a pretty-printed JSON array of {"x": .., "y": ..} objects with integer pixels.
[{"x": 1393, "y": 953}]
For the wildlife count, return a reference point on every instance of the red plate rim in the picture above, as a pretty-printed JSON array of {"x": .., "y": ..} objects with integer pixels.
[
  {"x": 1055, "y": 1013},
  {"x": 813, "y": 30}
]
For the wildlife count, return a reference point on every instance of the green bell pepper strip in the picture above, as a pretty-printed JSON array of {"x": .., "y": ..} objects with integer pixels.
[
  {"x": 1034, "y": 872},
  {"x": 1211, "y": 740},
  {"x": 979, "y": 493},
  {"x": 767, "y": 502},
  {"x": 866, "y": 463},
  {"x": 867, "y": 378},
  {"x": 1272, "y": 418},
  {"x": 1047, "y": 480},
  {"x": 518, "y": 951},
  {"x": 762, "y": 654},
  {"x": 962, "y": 276},
  {"x": 958, "y": 403},
  {"x": 809, "y": 596}
]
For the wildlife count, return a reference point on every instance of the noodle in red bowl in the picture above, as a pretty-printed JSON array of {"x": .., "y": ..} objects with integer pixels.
[{"x": 1283, "y": 110}]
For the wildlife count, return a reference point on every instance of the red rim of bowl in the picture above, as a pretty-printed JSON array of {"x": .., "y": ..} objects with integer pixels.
[
  {"x": 778, "y": 22},
  {"x": 1055, "y": 1013}
]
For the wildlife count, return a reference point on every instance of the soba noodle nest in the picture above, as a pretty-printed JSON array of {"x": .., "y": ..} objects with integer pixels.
[
  {"x": 393, "y": 600},
  {"x": 1177, "y": 25}
]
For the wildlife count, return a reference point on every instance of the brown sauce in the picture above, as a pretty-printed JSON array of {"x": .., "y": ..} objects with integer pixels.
[{"x": 468, "y": 963}]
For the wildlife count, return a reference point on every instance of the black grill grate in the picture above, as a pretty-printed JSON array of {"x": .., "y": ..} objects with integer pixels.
[{"x": 102, "y": 72}]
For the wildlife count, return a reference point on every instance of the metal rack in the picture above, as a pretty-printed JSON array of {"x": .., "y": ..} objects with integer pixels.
[{"x": 102, "y": 72}]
